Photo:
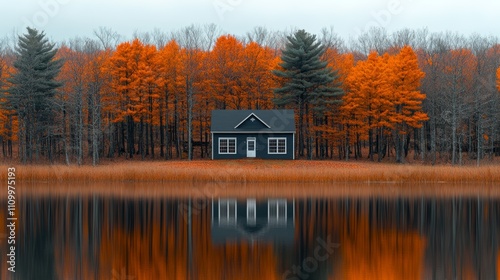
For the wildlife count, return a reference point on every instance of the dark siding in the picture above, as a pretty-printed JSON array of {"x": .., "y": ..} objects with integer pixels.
[{"x": 261, "y": 145}]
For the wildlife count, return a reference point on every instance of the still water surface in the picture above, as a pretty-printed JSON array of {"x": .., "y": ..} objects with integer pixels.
[{"x": 72, "y": 235}]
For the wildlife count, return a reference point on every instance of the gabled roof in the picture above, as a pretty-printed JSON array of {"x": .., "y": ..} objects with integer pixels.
[
  {"x": 272, "y": 120},
  {"x": 254, "y": 116}
]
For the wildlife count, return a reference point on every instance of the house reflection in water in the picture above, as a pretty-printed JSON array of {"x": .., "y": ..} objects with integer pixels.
[{"x": 266, "y": 220}]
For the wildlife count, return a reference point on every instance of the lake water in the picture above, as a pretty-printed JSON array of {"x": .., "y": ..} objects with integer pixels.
[{"x": 127, "y": 232}]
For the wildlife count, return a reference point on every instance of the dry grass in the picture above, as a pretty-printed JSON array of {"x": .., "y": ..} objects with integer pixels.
[{"x": 257, "y": 171}]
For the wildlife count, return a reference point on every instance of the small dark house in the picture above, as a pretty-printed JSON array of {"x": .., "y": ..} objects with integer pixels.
[
  {"x": 266, "y": 220},
  {"x": 267, "y": 134}
]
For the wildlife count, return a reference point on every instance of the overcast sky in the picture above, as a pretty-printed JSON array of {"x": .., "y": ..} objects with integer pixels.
[{"x": 65, "y": 19}]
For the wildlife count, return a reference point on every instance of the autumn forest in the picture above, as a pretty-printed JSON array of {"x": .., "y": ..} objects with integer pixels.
[{"x": 407, "y": 96}]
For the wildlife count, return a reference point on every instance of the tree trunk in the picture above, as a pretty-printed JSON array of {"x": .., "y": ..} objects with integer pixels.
[
  {"x": 80, "y": 132},
  {"x": 308, "y": 133},
  {"x": 301, "y": 129},
  {"x": 177, "y": 128},
  {"x": 151, "y": 138},
  {"x": 141, "y": 138},
  {"x": 423, "y": 146},
  {"x": 347, "y": 140},
  {"x": 433, "y": 136},
  {"x": 454, "y": 141},
  {"x": 370, "y": 142},
  {"x": 162, "y": 130},
  {"x": 189, "y": 91},
  {"x": 130, "y": 136},
  {"x": 96, "y": 127}
]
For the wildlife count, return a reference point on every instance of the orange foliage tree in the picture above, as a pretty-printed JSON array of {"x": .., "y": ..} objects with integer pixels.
[
  {"x": 227, "y": 73},
  {"x": 170, "y": 84},
  {"x": 140, "y": 100},
  {"x": 406, "y": 97},
  {"x": 498, "y": 79},
  {"x": 191, "y": 71},
  {"x": 148, "y": 98},
  {"x": 258, "y": 81},
  {"x": 367, "y": 103},
  {"x": 382, "y": 98},
  {"x": 332, "y": 127},
  {"x": 8, "y": 120},
  {"x": 134, "y": 92}
]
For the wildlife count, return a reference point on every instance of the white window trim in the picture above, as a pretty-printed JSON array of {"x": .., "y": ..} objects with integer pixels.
[
  {"x": 227, "y": 139},
  {"x": 275, "y": 219},
  {"x": 277, "y": 150},
  {"x": 225, "y": 220},
  {"x": 251, "y": 206}
]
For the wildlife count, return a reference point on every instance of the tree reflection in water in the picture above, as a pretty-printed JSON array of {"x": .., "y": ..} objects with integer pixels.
[{"x": 106, "y": 237}]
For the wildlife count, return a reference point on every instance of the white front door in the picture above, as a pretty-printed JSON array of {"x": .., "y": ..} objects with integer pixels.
[{"x": 251, "y": 147}]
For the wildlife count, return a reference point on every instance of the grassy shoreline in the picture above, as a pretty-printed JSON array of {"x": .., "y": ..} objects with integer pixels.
[{"x": 256, "y": 171}]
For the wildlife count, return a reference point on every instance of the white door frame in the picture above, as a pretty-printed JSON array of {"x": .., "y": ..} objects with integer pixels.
[{"x": 251, "y": 153}]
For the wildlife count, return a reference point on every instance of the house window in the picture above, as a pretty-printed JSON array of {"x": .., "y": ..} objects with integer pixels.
[
  {"x": 276, "y": 211},
  {"x": 251, "y": 211},
  {"x": 276, "y": 145},
  {"x": 227, "y": 145},
  {"x": 227, "y": 211}
]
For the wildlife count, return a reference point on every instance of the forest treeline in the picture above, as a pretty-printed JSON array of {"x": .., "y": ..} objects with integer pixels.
[{"x": 409, "y": 95}]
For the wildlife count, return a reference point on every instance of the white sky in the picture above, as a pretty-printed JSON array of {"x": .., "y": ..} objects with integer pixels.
[{"x": 66, "y": 19}]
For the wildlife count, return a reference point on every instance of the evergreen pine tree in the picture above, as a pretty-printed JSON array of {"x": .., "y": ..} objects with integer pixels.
[
  {"x": 32, "y": 93},
  {"x": 309, "y": 85}
]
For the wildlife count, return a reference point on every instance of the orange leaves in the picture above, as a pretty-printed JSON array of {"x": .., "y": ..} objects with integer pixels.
[
  {"x": 258, "y": 80},
  {"x": 405, "y": 67},
  {"x": 133, "y": 69},
  {"x": 168, "y": 66},
  {"x": 8, "y": 121},
  {"x": 179, "y": 85},
  {"x": 460, "y": 68},
  {"x": 240, "y": 76},
  {"x": 382, "y": 98},
  {"x": 368, "y": 94},
  {"x": 498, "y": 79},
  {"x": 342, "y": 63},
  {"x": 383, "y": 91},
  {"x": 407, "y": 98},
  {"x": 226, "y": 72}
]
